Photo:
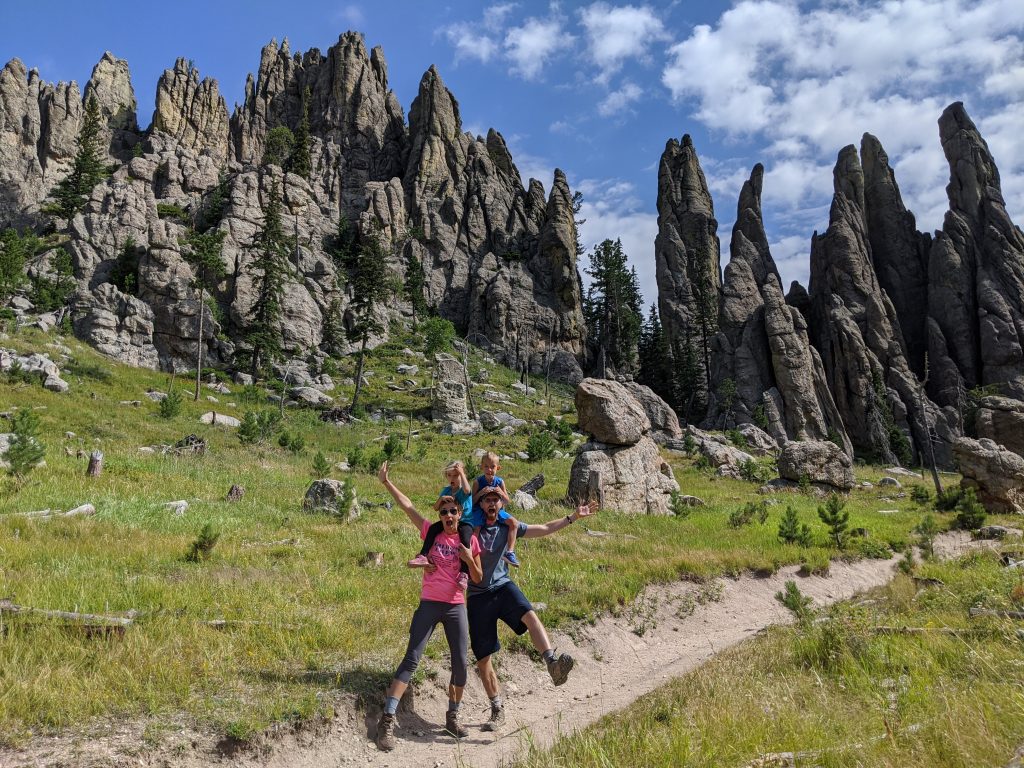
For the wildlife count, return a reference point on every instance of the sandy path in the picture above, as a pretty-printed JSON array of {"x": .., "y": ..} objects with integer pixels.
[{"x": 615, "y": 665}]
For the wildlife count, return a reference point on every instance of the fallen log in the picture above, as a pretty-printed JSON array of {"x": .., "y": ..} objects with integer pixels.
[
  {"x": 975, "y": 613},
  {"x": 84, "y": 509},
  {"x": 93, "y": 619}
]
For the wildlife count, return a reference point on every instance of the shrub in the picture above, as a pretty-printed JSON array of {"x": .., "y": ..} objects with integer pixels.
[
  {"x": 561, "y": 431},
  {"x": 760, "y": 417},
  {"x": 278, "y": 147},
  {"x": 438, "y": 335},
  {"x": 836, "y": 518},
  {"x": 702, "y": 463},
  {"x": 171, "y": 211},
  {"x": 921, "y": 495},
  {"x": 792, "y": 531},
  {"x": 257, "y": 428},
  {"x": 804, "y": 483},
  {"x": 970, "y": 514},
  {"x": 689, "y": 444},
  {"x": 200, "y": 548},
  {"x": 24, "y": 451},
  {"x": 870, "y": 548},
  {"x": 252, "y": 393},
  {"x": 170, "y": 406},
  {"x": 677, "y": 506},
  {"x": 746, "y": 515},
  {"x": 793, "y": 599},
  {"x": 393, "y": 447},
  {"x": 15, "y": 250},
  {"x": 736, "y": 438},
  {"x": 926, "y": 532},
  {"x": 49, "y": 294},
  {"x": 540, "y": 446},
  {"x": 753, "y": 472},
  {"x": 294, "y": 443},
  {"x": 125, "y": 274},
  {"x": 356, "y": 456},
  {"x": 88, "y": 371}
]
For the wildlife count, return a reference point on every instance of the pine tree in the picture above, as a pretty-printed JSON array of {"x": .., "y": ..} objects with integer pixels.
[
  {"x": 577, "y": 206},
  {"x": 342, "y": 248},
  {"x": 203, "y": 252},
  {"x": 656, "y": 357},
  {"x": 792, "y": 531},
  {"x": 15, "y": 251},
  {"x": 334, "y": 329},
  {"x": 688, "y": 380},
  {"x": 836, "y": 518},
  {"x": 269, "y": 267},
  {"x": 300, "y": 163},
  {"x": 368, "y": 277},
  {"x": 413, "y": 286},
  {"x": 24, "y": 450},
  {"x": 87, "y": 169},
  {"x": 612, "y": 308}
]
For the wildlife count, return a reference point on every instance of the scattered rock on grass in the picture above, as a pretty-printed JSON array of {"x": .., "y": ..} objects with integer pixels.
[
  {"x": 820, "y": 461},
  {"x": 890, "y": 482},
  {"x": 212, "y": 417},
  {"x": 328, "y": 495}
]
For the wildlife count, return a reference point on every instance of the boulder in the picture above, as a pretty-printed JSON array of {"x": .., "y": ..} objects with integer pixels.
[
  {"x": 998, "y": 532},
  {"x": 889, "y": 482},
  {"x": 633, "y": 479},
  {"x": 759, "y": 442},
  {"x": 449, "y": 403},
  {"x": 1001, "y": 419},
  {"x": 525, "y": 501},
  {"x": 608, "y": 411},
  {"x": 55, "y": 383},
  {"x": 996, "y": 473},
  {"x": 820, "y": 461},
  {"x": 311, "y": 397},
  {"x": 664, "y": 422},
  {"x": 327, "y": 495},
  {"x": 463, "y": 428},
  {"x": 212, "y": 417},
  {"x": 726, "y": 458}
]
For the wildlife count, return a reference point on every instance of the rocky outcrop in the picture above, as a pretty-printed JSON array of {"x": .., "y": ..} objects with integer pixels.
[
  {"x": 192, "y": 112},
  {"x": 606, "y": 410},
  {"x": 816, "y": 461},
  {"x": 686, "y": 251},
  {"x": 857, "y": 332},
  {"x": 1001, "y": 420},
  {"x": 763, "y": 351},
  {"x": 449, "y": 403},
  {"x": 664, "y": 422},
  {"x": 115, "y": 324},
  {"x": 975, "y": 274},
  {"x": 994, "y": 472},
  {"x": 720, "y": 454},
  {"x": 111, "y": 86}
]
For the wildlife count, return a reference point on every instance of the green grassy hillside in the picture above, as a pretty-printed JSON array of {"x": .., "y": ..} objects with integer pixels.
[{"x": 314, "y": 624}]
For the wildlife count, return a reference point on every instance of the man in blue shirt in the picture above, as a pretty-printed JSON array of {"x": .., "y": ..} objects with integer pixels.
[{"x": 496, "y": 597}]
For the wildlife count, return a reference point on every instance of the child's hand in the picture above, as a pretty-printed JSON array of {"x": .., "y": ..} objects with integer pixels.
[{"x": 465, "y": 553}]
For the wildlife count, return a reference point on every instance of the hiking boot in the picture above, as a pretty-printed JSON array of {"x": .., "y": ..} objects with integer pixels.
[
  {"x": 496, "y": 720},
  {"x": 511, "y": 559},
  {"x": 559, "y": 668},
  {"x": 463, "y": 581},
  {"x": 420, "y": 561},
  {"x": 386, "y": 732},
  {"x": 453, "y": 726}
]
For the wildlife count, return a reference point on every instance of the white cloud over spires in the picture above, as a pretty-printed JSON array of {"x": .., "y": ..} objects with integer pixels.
[{"x": 615, "y": 34}]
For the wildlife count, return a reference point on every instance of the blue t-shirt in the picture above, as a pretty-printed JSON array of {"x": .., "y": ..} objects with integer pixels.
[
  {"x": 465, "y": 499},
  {"x": 493, "y": 543},
  {"x": 477, "y": 516}
]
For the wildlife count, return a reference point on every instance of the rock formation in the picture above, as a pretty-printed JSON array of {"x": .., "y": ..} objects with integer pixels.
[
  {"x": 856, "y": 330},
  {"x": 622, "y": 464},
  {"x": 686, "y": 251},
  {"x": 499, "y": 259},
  {"x": 975, "y": 275},
  {"x": 1001, "y": 420},
  {"x": 821, "y": 462},
  {"x": 994, "y": 472}
]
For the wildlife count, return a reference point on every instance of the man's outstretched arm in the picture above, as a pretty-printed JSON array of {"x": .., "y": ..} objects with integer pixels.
[{"x": 583, "y": 510}]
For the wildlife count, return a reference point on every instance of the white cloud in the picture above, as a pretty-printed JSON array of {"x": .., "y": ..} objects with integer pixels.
[
  {"x": 496, "y": 16},
  {"x": 615, "y": 34},
  {"x": 351, "y": 15},
  {"x": 617, "y": 102},
  {"x": 469, "y": 43},
  {"x": 529, "y": 47},
  {"x": 561, "y": 126}
]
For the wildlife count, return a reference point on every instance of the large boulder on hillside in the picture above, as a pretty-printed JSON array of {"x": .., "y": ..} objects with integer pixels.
[
  {"x": 331, "y": 496},
  {"x": 608, "y": 411},
  {"x": 716, "y": 449},
  {"x": 633, "y": 479},
  {"x": 1001, "y": 419},
  {"x": 820, "y": 461},
  {"x": 449, "y": 403},
  {"x": 664, "y": 422},
  {"x": 996, "y": 473},
  {"x": 759, "y": 442}
]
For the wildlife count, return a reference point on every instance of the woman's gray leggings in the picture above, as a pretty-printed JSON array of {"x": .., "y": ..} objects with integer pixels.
[{"x": 456, "y": 630}]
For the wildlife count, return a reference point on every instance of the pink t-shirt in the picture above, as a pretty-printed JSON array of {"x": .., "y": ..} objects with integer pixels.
[{"x": 443, "y": 584}]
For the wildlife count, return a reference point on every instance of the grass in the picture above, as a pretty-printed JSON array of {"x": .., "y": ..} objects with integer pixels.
[
  {"x": 324, "y": 627},
  {"x": 838, "y": 693}
]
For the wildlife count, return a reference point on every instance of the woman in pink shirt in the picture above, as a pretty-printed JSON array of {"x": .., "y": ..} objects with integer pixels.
[{"x": 441, "y": 602}]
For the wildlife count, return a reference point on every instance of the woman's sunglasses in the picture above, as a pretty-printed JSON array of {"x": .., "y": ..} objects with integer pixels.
[{"x": 449, "y": 511}]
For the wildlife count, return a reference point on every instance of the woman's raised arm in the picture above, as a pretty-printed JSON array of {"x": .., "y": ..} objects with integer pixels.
[{"x": 400, "y": 498}]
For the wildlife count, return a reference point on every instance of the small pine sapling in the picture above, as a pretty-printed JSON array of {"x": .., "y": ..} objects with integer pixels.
[
  {"x": 836, "y": 518},
  {"x": 294, "y": 443},
  {"x": 24, "y": 451},
  {"x": 540, "y": 446},
  {"x": 200, "y": 549},
  {"x": 926, "y": 532},
  {"x": 393, "y": 446},
  {"x": 970, "y": 514},
  {"x": 792, "y": 531},
  {"x": 321, "y": 466},
  {"x": 170, "y": 406},
  {"x": 678, "y": 506},
  {"x": 921, "y": 495}
]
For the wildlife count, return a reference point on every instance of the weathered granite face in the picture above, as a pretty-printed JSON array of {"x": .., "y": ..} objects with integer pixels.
[{"x": 996, "y": 473}]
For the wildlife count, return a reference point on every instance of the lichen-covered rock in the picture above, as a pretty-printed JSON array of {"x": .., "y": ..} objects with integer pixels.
[
  {"x": 117, "y": 325},
  {"x": 725, "y": 458},
  {"x": 449, "y": 402},
  {"x": 817, "y": 461},
  {"x": 634, "y": 479},
  {"x": 996, "y": 473},
  {"x": 758, "y": 441},
  {"x": 606, "y": 410},
  {"x": 311, "y": 397},
  {"x": 192, "y": 112},
  {"x": 330, "y": 495},
  {"x": 664, "y": 422}
]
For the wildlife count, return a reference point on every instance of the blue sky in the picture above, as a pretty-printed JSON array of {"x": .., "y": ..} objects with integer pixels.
[{"x": 597, "y": 88}]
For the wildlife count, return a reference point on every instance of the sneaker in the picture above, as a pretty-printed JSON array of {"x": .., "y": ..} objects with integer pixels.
[
  {"x": 496, "y": 720},
  {"x": 559, "y": 668},
  {"x": 453, "y": 727},
  {"x": 386, "y": 732},
  {"x": 511, "y": 558},
  {"x": 420, "y": 561},
  {"x": 463, "y": 581}
]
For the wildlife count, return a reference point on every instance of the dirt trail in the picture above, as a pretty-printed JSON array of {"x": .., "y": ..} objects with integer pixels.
[{"x": 615, "y": 665}]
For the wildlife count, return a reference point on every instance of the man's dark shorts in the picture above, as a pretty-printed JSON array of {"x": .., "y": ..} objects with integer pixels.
[{"x": 506, "y": 603}]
